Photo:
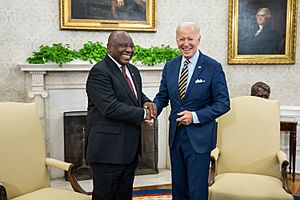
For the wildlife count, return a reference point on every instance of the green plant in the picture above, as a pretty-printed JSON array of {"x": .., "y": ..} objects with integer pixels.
[
  {"x": 95, "y": 51},
  {"x": 91, "y": 51},
  {"x": 57, "y": 53},
  {"x": 154, "y": 55}
]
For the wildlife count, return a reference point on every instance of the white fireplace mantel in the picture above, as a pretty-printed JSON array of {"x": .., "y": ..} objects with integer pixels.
[{"x": 57, "y": 90}]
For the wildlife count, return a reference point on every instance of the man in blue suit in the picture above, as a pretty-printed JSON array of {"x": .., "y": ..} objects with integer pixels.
[{"x": 195, "y": 104}]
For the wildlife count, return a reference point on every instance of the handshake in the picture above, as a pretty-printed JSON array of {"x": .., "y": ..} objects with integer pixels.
[{"x": 151, "y": 112}]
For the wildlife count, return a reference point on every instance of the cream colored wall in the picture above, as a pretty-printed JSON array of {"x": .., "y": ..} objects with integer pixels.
[{"x": 27, "y": 24}]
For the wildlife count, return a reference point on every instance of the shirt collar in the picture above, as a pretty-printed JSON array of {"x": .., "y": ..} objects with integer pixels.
[
  {"x": 118, "y": 64},
  {"x": 193, "y": 60}
]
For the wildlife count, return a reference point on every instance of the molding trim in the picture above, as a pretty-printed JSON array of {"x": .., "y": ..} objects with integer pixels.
[{"x": 76, "y": 67}]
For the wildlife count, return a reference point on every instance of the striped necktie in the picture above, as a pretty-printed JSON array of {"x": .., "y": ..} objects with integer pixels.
[{"x": 183, "y": 79}]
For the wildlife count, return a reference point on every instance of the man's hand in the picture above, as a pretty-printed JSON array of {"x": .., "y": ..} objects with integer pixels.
[
  {"x": 148, "y": 114},
  {"x": 152, "y": 108},
  {"x": 185, "y": 118},
  {"x": 148, "y": 119}
]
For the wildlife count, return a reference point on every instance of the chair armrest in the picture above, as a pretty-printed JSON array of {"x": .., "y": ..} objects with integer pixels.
[
  {"x": 58, "y": 164},
  {"x": 214, "y": 155},
  {"x": 3, "y": 195},
  {"x": 282, "y": 158},
  {"x": 68, "y": 167}
]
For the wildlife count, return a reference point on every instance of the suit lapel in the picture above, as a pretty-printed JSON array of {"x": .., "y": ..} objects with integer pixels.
[
  {"x": 197, "y": 71},
  {"x": 174, "y": 80},
  {"x": 117, "y": 72}
]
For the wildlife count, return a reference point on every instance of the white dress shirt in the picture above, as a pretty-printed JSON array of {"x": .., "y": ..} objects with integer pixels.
[
  {"x": 191, "y": 67},
  {"x": 130, "y": 78},
  {"x": 127, "y": 73},
  {"x": 259, "y": 30}
]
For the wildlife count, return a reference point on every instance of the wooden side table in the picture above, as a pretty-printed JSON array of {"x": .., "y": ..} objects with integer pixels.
[{"x": 291, "y": 128}]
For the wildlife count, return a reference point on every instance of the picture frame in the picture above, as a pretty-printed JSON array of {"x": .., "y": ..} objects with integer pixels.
[
  {"x": 275, "y": 43},
  {"x": 107, "y": 15}
]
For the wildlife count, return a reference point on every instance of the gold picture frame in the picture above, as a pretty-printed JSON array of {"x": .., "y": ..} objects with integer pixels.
[
  {"x": 244, "y": 47},
  {"x": 128, "y": 15}
]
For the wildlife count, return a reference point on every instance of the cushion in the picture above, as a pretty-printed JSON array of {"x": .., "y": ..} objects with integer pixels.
[
  {"x": 53, "y": 194},
  {"x": 238, "y": 186}
]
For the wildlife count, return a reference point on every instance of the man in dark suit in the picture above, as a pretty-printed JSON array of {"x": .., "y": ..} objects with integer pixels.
[
  {"x": 116, "y": 108},
  {"x": 263, "y": 39},
  {"x": 194, "y": 107}
]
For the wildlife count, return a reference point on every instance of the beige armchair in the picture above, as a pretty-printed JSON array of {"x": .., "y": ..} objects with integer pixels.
[
  {"x": 247, "y": 163},
  {"x": 23, "y": 163}
]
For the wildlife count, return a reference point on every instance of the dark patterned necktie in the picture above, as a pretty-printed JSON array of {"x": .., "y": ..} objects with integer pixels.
[
  {"x": 183, "y": 80},
  {"x": 128, "y": 80}
]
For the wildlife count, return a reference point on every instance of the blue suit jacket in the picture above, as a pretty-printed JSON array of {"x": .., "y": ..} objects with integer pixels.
[{"x": 207, "y": 95}]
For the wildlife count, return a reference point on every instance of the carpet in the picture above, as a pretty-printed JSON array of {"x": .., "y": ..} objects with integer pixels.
[
  {"x": 160, "y": 194},
  {"x": 155, "y": 194}
]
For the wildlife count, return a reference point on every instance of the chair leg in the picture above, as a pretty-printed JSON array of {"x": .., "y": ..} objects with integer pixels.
[
  {"x": 212, "y": 171},
  {"x": 284, "y": 177},
  {"x": 3, "y": 195}
]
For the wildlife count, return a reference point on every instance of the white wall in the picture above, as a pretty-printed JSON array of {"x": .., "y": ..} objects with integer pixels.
[{"x": 27, "y": 24}]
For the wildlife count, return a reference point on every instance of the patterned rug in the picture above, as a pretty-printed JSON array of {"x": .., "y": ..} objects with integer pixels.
[
  {"x": 160, "y": 194},
  {"x": 155, "y": 194}
]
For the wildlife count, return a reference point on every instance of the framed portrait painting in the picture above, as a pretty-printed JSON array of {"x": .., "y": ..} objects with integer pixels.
[
  {"x": 128, "y": 15},
  {"x": 262, "y": 32}
]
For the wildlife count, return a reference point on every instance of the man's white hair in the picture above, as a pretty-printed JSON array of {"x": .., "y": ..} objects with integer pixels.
[
  {"x": 188, "y": 24},
  {"x": 265, "y": 11}
]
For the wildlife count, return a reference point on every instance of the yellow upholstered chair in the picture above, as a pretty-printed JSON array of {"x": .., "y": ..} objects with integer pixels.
[
  {"x": 23, "y": 163},
  {"x": 247, "y": 163}
]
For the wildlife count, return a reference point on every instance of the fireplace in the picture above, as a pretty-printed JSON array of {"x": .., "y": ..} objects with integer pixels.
[
  {"x": 58, "y": 90},
  {"x": 74, "y": 146}
]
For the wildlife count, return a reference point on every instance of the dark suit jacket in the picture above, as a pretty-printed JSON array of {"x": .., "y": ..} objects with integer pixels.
[
  {"x": 114, "y": 114},
  {"x": 266, "y": 42},
  {"x": 207, "y": 95}
]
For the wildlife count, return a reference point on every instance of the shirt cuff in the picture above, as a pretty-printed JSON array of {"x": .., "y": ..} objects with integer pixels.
[
  {"x": 195, "y": 118},
  {"x": 145, "y": 113}
]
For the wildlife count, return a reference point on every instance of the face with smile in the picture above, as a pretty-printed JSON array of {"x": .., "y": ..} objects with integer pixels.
[
  {"x": 120, "y": 46},
  {"x": 188, "y": 40}
]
